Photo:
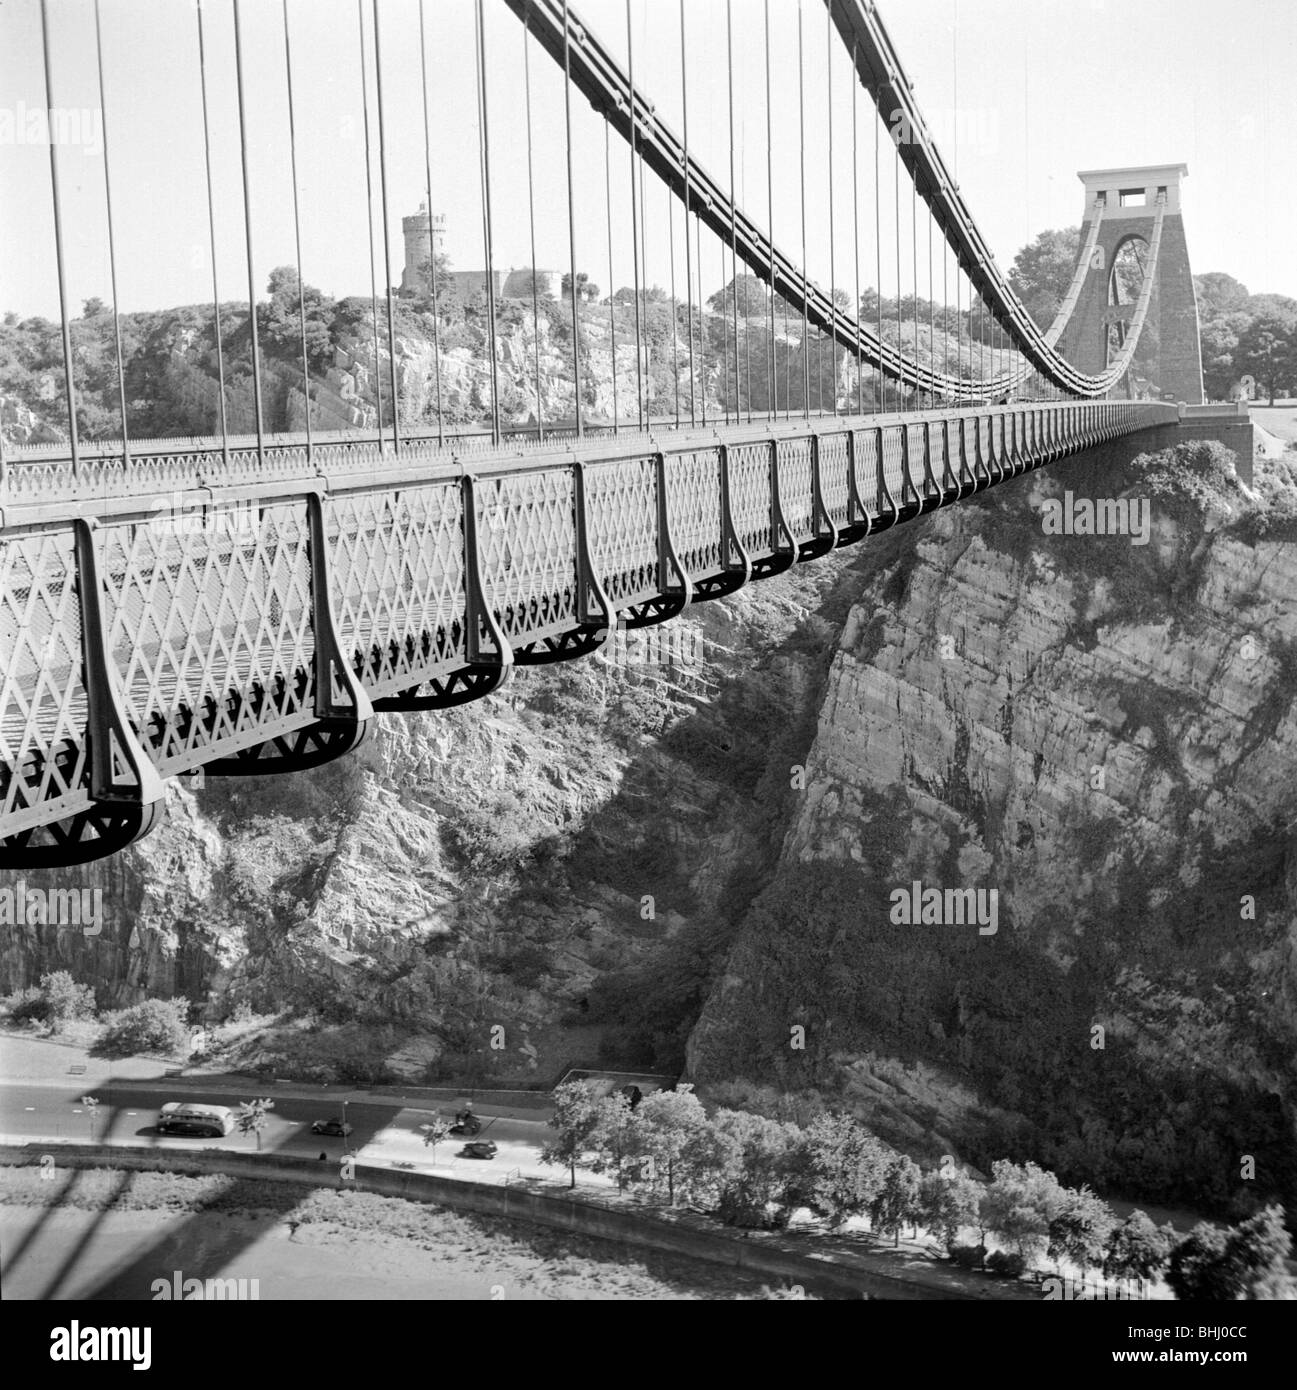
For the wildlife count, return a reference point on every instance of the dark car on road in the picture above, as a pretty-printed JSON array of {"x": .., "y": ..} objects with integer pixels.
[
  {"x": 479, "y": 1148},
  {"x": 336, "y": 1128}
]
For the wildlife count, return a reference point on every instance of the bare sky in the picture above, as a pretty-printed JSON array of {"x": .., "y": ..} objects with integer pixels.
[{"x": 1105, "y": 83}]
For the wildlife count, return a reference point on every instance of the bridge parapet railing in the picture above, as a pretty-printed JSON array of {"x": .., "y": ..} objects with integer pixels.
[{"x": 210, "y": 634}]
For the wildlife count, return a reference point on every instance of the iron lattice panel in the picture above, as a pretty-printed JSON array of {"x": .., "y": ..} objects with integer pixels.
[
  {"x": 211, "y": 631},
  {"x": 918, "y": 479},
  {"x": 795, "y": 489},
  {"x": 868, "y": 471},
  {"x": 833, "y": 477},
  {"x": 43, "y": 706},
  {"x": 397, "y": 577},
  {"x": 940, "y": 461},
  {"x": 893, "y": 462},
  {"x": 750, "y": 497},
  {"x": 527, "y": 541},
  {"x": 622, "y": 507},
  {"x": 694, "y": 509}
]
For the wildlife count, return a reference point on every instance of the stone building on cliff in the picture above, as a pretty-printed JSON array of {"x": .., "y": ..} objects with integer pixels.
[{"x": 462, "y": 285}]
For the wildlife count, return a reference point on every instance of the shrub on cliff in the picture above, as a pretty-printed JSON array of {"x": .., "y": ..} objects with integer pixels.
[
  {"x": 58, "y": 1001},
  {"x": 156, "y": 1025},
  {"x": 24, "y": 1006}
]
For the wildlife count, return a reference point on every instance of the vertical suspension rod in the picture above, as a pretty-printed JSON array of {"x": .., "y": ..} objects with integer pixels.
[
  {"x": 675, "y": 324},
  {"x": 801, "y": 127},
  {"x": 689, "y": 262},
  {"x": 772, "y": 357},
  {"x": 833, "y": 271},
  {"x": 369, "y": 223},
  {"x": 432, "y": 235},
  {"x": 112, "y": 245},
  {"x": 612, "y": 298},
  {"x": 297, "y": 234},
  {"x": 247, "y": 228},
  {"x": 734, "y": 240},
  {"x": 69, "y": 383},
  {"x": 878, "y": 258},
  {"x": 387, "y": 236},
  {"x": 211, "y": 232},
  {"x": 571, "y": 217},
  {"x": 855, "y": 226},
  {"x": 634, "y": 220}
]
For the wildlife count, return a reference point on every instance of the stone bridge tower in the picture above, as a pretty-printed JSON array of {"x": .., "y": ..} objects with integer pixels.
[{"x": 1171, "y": 353}]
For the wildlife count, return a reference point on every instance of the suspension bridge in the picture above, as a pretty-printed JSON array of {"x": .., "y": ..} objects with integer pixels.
[{"x": 246, "y": 601}]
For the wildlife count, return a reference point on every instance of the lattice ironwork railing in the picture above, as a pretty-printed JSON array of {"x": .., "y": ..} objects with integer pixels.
[{"x": 229, "y": 621}]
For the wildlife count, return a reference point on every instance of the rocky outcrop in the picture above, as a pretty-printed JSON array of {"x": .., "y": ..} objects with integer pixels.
[{"x": 1103, "y": 735}]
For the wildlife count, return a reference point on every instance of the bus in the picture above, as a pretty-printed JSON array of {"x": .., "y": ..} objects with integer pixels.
[{"x": 197, "y": 1118}]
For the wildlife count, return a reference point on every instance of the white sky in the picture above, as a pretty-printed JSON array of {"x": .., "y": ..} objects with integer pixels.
[{"x": 1106, "y": 83}]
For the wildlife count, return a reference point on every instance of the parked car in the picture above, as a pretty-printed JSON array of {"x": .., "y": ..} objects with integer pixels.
[
  {"x": 479, "y": 1148},
  {"x": 336, "y": 1128}
]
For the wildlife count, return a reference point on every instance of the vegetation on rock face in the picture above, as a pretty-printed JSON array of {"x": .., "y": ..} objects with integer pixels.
[
  {"x": 153, "y": 1026},
  {"x": 1199, "y": 1041}
]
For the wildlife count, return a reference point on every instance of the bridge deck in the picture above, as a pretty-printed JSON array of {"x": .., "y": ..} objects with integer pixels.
[{"x": 438, "y": 565}]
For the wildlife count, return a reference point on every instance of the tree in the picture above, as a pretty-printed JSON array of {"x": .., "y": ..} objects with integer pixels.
[
  {"x": 280, "y": 321},
  {"x": 65, "y": 1000},
  {"x": 613, "y": 1135},
  {"x": 93, "y": 307},
  {"x": 1219, "y": 294},
  {"x": 897, "y": 1200},
  {"x": 847, "y": 1166},
  {"x": 764, "y": 1168},
  {"x": 753, "y": 297},
  {"x": 586, "y": 289},
  {"x": 947, "y": 1203},
  {"x": 254, "y": 1116},
  {"x": 1257, "y": 1252},
  {"x": 435, "y": 1131},
  {"x": 666, "y": 1135},
  {"x": 91, "y": 1103},
  {"x": 1267, "y": 350},
  {"x": 1043, "y": 270},
  {"x": 446, "y": 290},
  {"x": 1137, "y": 1249},
  {"x": 1247, "y": 1262},
  {"x": 1080, "y": 1227},
  {"x": 1198, "y": 1269},
  {"x": 1018, "y": 1205},
  {"x": 575, "y": 1118}
]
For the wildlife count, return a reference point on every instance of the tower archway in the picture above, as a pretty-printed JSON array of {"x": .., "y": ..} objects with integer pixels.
[{"x": 1168, "y": 359}]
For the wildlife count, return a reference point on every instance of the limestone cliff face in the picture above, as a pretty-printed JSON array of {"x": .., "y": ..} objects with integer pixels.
[{"x": 1105, "y": 735}]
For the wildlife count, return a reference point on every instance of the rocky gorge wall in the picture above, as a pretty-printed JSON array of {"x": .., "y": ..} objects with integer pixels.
[
  {"x": 682, "y": 857},
  {"x": 1103, "y": 734}
]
